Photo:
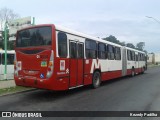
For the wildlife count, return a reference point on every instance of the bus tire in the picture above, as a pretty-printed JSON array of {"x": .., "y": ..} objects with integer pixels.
[
  {"x": 133, "y": 72},
  {"x": 96, "y": 79}
]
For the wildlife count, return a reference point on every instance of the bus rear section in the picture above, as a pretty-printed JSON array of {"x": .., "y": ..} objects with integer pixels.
[{"x": 34, "y": 58}]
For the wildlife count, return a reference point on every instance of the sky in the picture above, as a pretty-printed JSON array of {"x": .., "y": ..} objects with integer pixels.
[{"x": 124, "y": 19}]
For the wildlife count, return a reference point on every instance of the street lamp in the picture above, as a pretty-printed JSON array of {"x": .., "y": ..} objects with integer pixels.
[{"x": 153, "y": 19}]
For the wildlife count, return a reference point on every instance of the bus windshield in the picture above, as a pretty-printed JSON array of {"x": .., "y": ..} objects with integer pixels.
[{"x": 40, "y": 36}]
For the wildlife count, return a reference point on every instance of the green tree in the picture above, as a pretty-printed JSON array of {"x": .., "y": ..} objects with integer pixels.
[
  {"x": 140, "y": 46},
  {"x": 130, "y": 45},
  {"x": 2, "y": 41},
  {"x": 6, "y": 15},
  {"x": 112, "y": 38},
  {"x": 123, "y": 43},
  {"x": 145, "y": 51}
]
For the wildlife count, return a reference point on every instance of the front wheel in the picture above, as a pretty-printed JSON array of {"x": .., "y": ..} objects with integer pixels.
[{"x": 96, "y": 80}]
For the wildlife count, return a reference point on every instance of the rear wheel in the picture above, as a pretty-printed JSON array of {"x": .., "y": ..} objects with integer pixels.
[{"x": 96, "y": 80}]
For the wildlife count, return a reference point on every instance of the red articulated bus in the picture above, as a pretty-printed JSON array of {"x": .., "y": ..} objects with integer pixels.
[{"x": 55, "y": 58}]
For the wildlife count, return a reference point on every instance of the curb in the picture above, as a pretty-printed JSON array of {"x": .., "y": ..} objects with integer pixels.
[{"x": 18, "y": 92}]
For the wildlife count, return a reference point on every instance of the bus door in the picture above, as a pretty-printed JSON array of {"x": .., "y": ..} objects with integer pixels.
[
  {"x": 124, "y": 62},
  {"x": 76, "y": 63}
]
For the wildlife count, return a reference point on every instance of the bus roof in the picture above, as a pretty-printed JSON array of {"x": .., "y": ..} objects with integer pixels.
[
  {"x": 64, "y": 29},
  {"x": 128, "y": 48},
  {"x": 80, "y": 34},
  {"x": 61, "y": 28}
]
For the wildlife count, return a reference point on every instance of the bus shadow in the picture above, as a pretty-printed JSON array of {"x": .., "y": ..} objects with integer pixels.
[
  {"x": 125, "y": 78},
  {"x": 48, "y": 95}
]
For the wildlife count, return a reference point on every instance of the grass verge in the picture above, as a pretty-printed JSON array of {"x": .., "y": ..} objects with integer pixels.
[{"x": 11, "y": 90}]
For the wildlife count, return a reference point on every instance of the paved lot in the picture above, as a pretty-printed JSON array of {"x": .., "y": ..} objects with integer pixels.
[{"x": 139, "y": 93}]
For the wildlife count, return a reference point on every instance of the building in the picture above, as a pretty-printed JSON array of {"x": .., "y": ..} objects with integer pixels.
[
  {"x": 157, "y": 58},
  {"x": 151, "y": 58}
]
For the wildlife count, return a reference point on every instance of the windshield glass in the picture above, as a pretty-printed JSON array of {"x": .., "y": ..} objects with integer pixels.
[{"x": 40, "y": 36}]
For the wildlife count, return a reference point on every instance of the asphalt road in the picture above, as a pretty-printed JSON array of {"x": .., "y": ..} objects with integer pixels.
[{"x": 139, "y": 93}]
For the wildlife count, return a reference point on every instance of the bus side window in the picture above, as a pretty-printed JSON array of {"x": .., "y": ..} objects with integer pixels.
[
  {"x": 136, "y": 57},
  {"x": 80, "y": 51},
  {"x": 62, "y": 45},
  {"x": 10, "y": 59},
  {"x": 133, "y": 56},
  {"x": 117, "y": 53},
  {"x": 139, "y": 57},
  {"x": 111, "y": 52},
  {"x": 91, "y": 49},
  {"x": 129, "y": 55},
  {"x": 102, "y": 51},
  {"x": 143, "y": 57},
  {"x": 73, "y": 50}
]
